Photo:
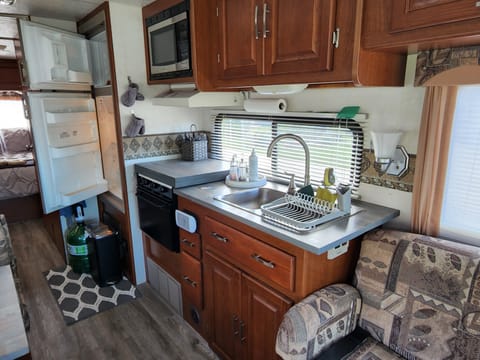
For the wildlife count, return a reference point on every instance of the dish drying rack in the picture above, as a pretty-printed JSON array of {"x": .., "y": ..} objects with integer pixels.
[{"x": 300, "y": 212}]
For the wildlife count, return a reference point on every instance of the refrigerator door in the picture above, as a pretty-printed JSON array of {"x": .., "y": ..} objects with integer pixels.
[
  {"x": 54, "y": 59},
  {"x": 67, "y": 150}
]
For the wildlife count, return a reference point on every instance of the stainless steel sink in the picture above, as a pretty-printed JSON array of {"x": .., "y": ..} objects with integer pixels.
[{"x": 251, "y": 199}]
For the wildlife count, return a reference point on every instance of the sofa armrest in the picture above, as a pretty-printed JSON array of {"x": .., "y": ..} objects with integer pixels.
[{"x": 317, "y": 321}]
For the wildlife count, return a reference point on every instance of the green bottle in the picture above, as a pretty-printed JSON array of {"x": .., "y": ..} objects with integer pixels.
[{"x": 77, "y": 244}]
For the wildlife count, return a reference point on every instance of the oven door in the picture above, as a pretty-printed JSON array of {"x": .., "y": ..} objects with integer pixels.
[{"x": 157, "y": 218}]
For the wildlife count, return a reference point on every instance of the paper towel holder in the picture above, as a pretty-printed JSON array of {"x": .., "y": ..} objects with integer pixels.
[{"x": 390, "y": 158}]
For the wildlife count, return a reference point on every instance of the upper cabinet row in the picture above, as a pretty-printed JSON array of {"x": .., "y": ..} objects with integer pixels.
[
  {"x": 411, "y": 25},
  {"x": 239, "y": 44}
]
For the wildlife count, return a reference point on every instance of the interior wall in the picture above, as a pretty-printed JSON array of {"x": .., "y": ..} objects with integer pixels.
[
  {"x": 388, "y": 109},
  {"x": 128, "y": 44}
]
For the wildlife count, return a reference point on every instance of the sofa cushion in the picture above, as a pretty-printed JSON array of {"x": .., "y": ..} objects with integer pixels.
[
  {"x": 421, "y": 295},
  {"x": 317, "y": 321},
  {"x": 6, "y": 253}
]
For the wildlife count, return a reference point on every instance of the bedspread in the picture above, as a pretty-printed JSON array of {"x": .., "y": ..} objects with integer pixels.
[{"x": 17, "y": 176}]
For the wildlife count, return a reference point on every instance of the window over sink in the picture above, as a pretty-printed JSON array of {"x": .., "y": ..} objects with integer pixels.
[{"x": 334, "y": 143}]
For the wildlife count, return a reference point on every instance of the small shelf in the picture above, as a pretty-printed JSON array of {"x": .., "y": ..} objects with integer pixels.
[
  {"x": 74, "y": 150},
  {"x": 76, "y": 117},
  {"x": 91, "y": 191}
]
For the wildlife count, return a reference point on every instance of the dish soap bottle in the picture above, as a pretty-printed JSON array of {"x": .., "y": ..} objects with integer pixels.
[{"x": 253, "y": 166}]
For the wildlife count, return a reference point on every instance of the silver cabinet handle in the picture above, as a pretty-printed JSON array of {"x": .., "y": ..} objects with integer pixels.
[
  {"x": 265, "y": 12},
  {"x": 262, "y": 261},
  {"x": 188, "y": 243},
  {"x": 190, "y": 281},
  {"x": 255, "y": 21},
  {"x": 219, "y": 237}
]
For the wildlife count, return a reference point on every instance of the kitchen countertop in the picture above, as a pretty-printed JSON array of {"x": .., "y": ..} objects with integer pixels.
[
  {"x": 363, "y": 218},
  {"x": 180, "y": 173}
]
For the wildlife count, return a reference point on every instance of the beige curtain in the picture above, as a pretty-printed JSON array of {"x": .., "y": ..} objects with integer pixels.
[{"x": 432, "y": 156}]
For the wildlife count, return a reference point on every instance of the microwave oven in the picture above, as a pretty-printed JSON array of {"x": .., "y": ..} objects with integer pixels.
[{"x": 168, "y": 38}]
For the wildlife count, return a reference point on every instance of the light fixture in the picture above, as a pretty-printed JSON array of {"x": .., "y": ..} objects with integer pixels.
[
  {"x": 390, "y": 158},
  {"x": 7, "y": 2}
]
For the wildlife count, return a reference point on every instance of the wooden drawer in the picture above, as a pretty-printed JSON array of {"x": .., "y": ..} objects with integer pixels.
[
  {"x": 191, "y": 280},
  {"x": 163, "y": 257},
  {"x": 190, "y": 243},
  {"x": 251, "y": 254}
]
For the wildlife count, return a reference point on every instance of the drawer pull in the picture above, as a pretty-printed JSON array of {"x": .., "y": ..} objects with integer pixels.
[
  {"x": 190, "y": 281},
  {"x": 219, "y": 237},
  {"x": 262, "y": 261},
  {"x": 235, "y": 325},
  {"x": 188, "y": 243},
  {"x": 242, "y": 332}
]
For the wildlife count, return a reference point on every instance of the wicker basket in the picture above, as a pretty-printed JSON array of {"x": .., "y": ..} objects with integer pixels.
[{"x": 195, "y": 150}]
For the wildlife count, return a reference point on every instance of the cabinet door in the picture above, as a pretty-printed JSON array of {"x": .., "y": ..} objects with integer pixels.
[
  {"x": 262, "y": 313},
  {"x": 295, "y": 51},
  {"x": 239, "y": 45},
  {"x": 414, "y": 14},
  {"x": 222, "y": 299}
]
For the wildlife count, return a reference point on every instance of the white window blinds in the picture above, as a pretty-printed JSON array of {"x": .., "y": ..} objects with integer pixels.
[
  {"x": 332, "y": 143},
  {"x": 461, "y": 202}
]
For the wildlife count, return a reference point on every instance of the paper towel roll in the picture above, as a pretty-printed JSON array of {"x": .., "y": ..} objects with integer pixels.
[{"x": 269, "y": 106}]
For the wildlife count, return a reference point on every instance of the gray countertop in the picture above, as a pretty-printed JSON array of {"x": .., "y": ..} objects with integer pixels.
[
  {"x": 179, "y": 173},
  {"x": 363, "y": 218}
]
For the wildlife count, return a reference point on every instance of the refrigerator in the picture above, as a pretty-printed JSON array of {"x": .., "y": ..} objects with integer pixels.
[{"x": 57, "y": 66}]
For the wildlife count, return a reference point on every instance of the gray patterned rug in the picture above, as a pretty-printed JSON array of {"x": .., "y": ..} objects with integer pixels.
[{"x": 79, "y": 297}]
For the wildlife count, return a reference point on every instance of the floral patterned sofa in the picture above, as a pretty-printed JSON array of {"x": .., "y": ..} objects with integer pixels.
[
  {"x": 7, "y": 257},
  {"x": 414, "y": 297}
]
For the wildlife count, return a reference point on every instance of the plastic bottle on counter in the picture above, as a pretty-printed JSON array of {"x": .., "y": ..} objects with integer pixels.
[
  {"x": 253, "y": 166},
  {"x": 233, "y": 174},
  {"x": 242, "y": 171}
]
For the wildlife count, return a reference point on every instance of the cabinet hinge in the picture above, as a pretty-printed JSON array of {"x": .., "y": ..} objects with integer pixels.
[
  {"x": 217, "y": 11},
  {"x": 218, "y": 58},
  {"x": 336, "y": 37},
  {"x": 26, "y": 109}
]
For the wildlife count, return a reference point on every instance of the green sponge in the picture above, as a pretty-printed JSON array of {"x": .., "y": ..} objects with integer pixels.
[
  {"x": 308, "y": 190},
  {"x": 348, "y": 112}
]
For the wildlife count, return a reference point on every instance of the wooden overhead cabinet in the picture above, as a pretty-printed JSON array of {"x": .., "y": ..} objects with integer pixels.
[
  {"x": 287, "y": 41},
  {"x": 411, "y": 25}
]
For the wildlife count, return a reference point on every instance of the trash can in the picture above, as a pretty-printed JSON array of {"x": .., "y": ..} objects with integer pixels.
[{"x": 104, "y": 255}]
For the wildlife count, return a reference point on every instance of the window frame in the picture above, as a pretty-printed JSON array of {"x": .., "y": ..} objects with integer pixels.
[{"x": 355, "y": 127}]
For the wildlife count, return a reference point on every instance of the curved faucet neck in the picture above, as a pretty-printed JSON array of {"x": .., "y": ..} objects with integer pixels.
[{"x": 305, "y": 148}]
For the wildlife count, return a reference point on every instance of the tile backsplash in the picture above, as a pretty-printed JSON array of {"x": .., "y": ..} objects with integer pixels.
[
  {"x": 169, "y": 144},
  {"x": 152, "y": 145},
  {"x": 370, "y": 176}
]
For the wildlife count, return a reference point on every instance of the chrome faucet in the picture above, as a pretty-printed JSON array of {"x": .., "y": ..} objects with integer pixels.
[{"x": 305, "y": 147}]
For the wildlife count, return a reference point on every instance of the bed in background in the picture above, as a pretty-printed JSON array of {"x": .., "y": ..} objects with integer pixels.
[{"x": 19, "y": 191}]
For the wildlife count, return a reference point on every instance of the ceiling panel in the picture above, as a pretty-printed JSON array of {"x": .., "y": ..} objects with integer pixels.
[{"x": 60, "y": 9}]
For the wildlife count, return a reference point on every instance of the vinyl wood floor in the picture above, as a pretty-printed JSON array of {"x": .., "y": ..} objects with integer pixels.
[{"x": 145, "y": 328}]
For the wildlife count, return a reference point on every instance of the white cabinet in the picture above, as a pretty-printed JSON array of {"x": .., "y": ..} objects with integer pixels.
[
  {"x": 67, "y": 150},
  {"x": 55, "y": 59}
]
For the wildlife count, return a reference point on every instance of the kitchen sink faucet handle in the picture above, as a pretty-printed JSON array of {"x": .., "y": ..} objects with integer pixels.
[{"x": 291, "y": 185}]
